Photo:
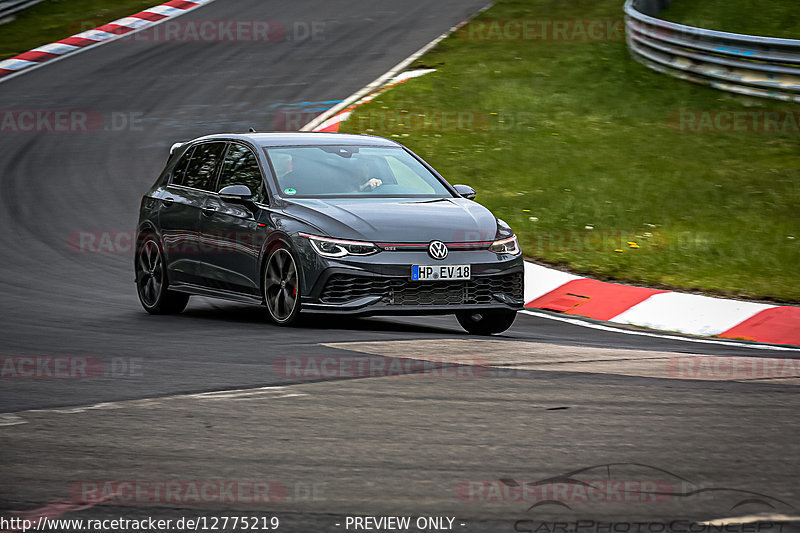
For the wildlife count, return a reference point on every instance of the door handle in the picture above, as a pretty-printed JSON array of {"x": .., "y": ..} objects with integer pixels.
[
  {"x": 166, "y": 202},
  {"x": 208, "y": 211}
]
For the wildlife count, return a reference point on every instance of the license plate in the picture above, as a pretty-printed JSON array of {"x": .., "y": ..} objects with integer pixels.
[{"x": 440, "y": 272}]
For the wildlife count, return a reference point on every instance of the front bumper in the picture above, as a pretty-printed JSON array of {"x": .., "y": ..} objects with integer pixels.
[{"x": 381, "y": 285}]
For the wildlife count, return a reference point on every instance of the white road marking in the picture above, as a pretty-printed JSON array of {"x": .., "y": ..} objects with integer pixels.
[
  {"x": 246, "y": 395},
  {"x": 239, "y": 393},
  {"x": 10, "y": 419},
  {"x": 384, "y": 79},
  {"x": 79, "y": 409}
]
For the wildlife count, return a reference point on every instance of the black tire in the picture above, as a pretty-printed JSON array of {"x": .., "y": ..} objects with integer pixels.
[
  {"x": 280, "y": 286},
  {"x": 486, "y": 322},
  {"x": 152, "y": 284}
]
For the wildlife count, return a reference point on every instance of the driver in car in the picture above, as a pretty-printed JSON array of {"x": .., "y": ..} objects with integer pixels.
[
  {"x": 282, "y": 163},
  {"x": 363, "y": 182}
]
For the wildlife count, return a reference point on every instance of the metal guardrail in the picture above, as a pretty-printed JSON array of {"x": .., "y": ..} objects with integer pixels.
[
  {"x": 767, "y": 67},
  {"x": 12, "y": 6}
]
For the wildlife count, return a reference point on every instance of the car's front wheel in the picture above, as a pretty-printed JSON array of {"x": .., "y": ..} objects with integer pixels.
[
  {"x": 151, "y": 280},
  {"x": 281, "y": 286},
  {"x": 486, "y": 322}
]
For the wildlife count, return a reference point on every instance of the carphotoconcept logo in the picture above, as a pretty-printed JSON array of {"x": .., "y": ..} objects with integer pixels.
[{"x": 595, "y": 487}]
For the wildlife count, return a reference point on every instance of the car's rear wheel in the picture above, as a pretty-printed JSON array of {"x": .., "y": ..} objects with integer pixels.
[
  {"x": 151, "y": 280},
  {"x": 281, "y": 287},
  {"x": 486, "y": 322}
]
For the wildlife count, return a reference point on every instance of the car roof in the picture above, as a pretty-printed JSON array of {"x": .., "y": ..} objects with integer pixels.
[{"x": 303, "y": 138}]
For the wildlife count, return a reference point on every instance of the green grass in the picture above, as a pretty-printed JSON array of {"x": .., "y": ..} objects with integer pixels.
[
  {"x": 587, "y": 141},
  {"x": 775, "y": 18},
  {"x": 56, "y": 19}
]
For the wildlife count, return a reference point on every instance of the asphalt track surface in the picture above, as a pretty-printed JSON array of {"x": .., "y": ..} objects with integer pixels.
[{"x": 380, "y": 445}]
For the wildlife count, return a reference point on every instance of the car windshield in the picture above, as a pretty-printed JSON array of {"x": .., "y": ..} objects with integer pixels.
[{"x": 357, "y": 171}]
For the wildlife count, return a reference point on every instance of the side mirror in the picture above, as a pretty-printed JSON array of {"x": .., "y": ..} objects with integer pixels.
[
  {"x": 465, "y": 191},
  {"x": 236, "y": 193}
]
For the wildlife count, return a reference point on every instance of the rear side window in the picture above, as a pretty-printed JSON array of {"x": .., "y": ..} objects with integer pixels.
[
  {"x": 179, "y": 174},
  {"x": 200, "y": 171},
  {"x": 241, "y": 168}
]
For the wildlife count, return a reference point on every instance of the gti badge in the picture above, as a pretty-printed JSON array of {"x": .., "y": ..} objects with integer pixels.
[{"x": 437, "y": 250}]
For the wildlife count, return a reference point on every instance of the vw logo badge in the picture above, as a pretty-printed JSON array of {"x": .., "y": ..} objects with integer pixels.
[{"x": 437, "y": 250}]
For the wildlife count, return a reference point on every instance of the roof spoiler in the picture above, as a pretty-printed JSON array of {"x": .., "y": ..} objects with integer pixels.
[{"x": 176, "y": 146}]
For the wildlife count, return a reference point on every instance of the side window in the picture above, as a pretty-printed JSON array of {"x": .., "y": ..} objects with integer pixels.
[
  {"x": 201, "y": 173},
  {"x": 179, "y": 173},
  {"x": 241, "y": 168}
]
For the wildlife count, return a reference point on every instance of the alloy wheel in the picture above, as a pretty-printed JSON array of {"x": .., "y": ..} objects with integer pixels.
[
  {"x": 281, "y": 286},
  {"x": 151, "y": 272}
]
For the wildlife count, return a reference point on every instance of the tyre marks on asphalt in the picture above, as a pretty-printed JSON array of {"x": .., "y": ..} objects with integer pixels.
[
  {"x": 544, "y": 357},
  {"x": 484, "y": 354},
  {"x": 10, "y": 419},
  {"x": 268, "y": 393},
  {"x": 406, "y": 445}
]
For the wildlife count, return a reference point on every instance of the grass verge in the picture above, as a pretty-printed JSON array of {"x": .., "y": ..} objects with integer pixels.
[
  {"x": 779, "y": 18},
  {"x": 601, "y": 165},
  {"x": 56, "y": 19}
]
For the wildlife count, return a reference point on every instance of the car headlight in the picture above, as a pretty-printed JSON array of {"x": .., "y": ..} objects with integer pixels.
[
  {"x": 328, "y": 247},
  {"x": 506, "y": 246}
]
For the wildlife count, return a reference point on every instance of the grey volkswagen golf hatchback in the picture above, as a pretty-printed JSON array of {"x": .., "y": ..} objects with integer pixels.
[{"x": 322, "y": 223}]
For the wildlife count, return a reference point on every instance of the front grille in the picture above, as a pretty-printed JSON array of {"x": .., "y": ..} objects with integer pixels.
[{"x": 343, "y": 288}]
